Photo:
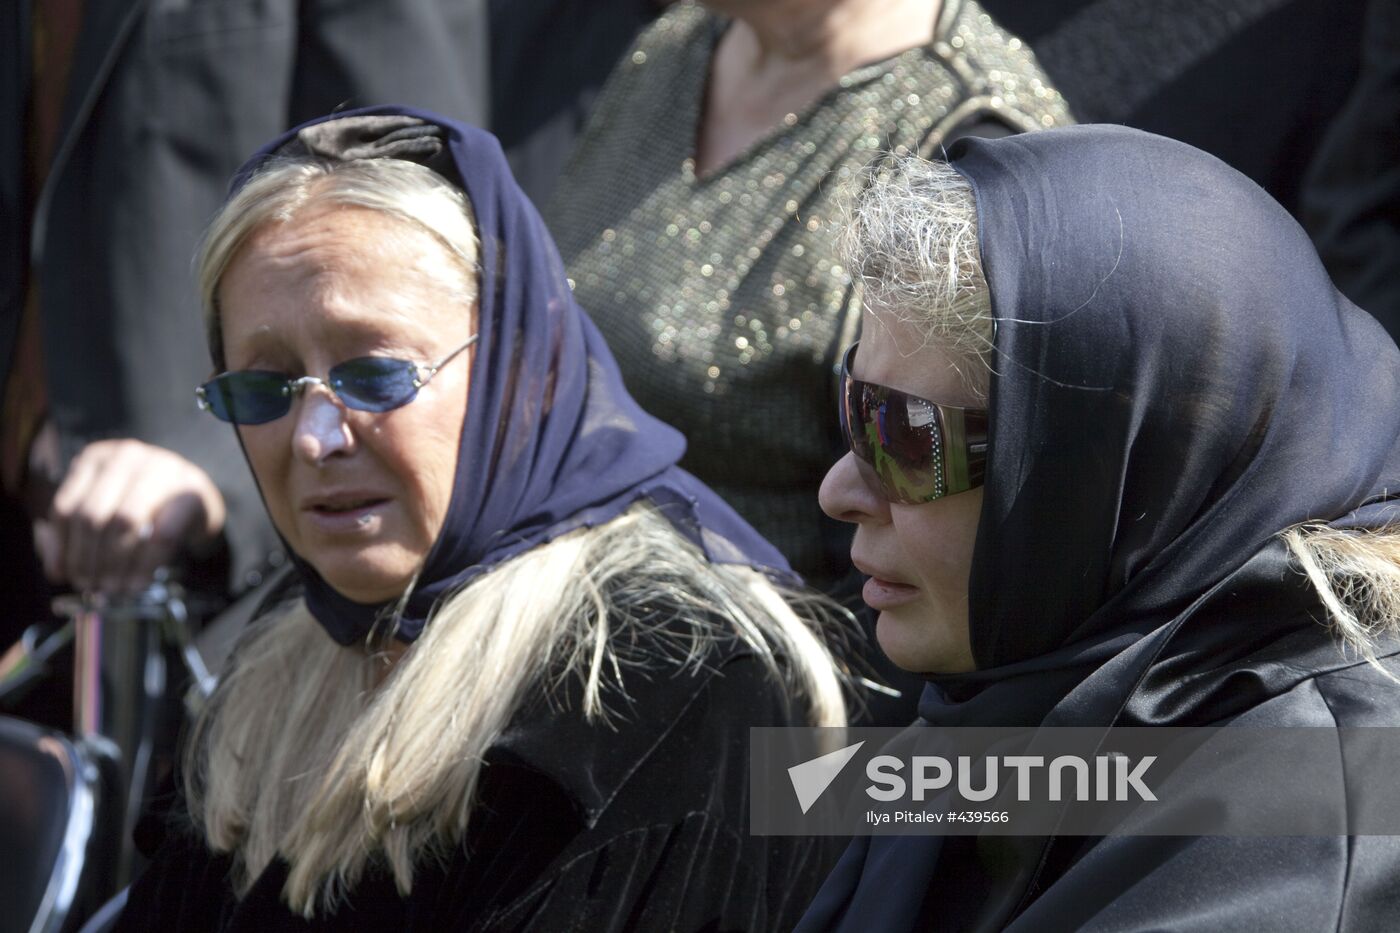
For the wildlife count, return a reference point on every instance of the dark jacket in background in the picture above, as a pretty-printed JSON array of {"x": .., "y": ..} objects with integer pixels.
[
  {"x": 1269, "y": 86},
  {"x": 1351, "y": 203},
  {"x": 1253, "y": 82},
  {"x": 548, "y": 60}
]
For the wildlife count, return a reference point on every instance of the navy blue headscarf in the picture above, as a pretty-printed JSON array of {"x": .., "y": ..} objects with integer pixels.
[
  {"x": 1175, "y": 381},
  {"x": 552, "y": 441}
]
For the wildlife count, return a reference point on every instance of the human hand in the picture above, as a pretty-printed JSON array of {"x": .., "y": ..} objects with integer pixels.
[{"x": 124, "y": 509}]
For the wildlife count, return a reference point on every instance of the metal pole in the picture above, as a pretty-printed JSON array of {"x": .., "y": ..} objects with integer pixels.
[{"x": 118, "y": 682}]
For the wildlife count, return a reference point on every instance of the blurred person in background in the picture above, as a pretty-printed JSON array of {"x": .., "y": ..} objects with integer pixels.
[
  {"x": 695, "y": 219},
  {"x": 1302, "y": 97},
  {"x": 130, "y": 116},
  {"x": 1351, "y": 200},
  {"x": 548, "y": 60}
]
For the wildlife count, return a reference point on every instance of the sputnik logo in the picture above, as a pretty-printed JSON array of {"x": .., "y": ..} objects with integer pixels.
[{"x": 811, "y": 778}]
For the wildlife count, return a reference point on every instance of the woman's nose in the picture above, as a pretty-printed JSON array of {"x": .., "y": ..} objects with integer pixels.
[
  {"x": 322, "y": 429},
  {"x": 847, "y": 497}
]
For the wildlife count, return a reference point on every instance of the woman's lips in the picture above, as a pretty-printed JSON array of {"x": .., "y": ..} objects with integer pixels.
[
  {"x": 346, "y": 517},
  {"x": 886, "y": 594},
  {"x": 881, "y": 593}
]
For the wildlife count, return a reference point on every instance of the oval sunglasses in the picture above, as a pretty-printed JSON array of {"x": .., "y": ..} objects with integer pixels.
[{"x": 366, "y": 383}]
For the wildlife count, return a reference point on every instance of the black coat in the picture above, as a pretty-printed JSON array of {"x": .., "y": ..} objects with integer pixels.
[{"x": 642, "y": 825}]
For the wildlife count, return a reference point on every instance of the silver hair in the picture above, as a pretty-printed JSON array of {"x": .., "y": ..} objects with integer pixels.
[{"x": 910, "y": 239}]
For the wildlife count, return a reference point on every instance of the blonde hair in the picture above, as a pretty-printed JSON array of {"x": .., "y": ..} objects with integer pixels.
[
  {"x": 1357, "y": 575},
  {"x": 401, "y": 189},
  {"x": 300, "y": 754}
]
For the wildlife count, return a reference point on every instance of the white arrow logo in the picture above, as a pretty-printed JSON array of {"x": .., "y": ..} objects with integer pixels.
[{"x": 811, "y": 778}]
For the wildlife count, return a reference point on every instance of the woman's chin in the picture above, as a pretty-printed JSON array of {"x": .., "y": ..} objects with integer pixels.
[
  {"x": 921, "y": 645},
  {"x": 364, "y": 579}
]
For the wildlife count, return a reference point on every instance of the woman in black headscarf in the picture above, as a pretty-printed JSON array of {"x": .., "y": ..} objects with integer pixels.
[
  {"x": 1120, "y": 451},
  {"x": 514, "y": 689}
]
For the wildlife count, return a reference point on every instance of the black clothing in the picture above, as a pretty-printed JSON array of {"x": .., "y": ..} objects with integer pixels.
[
  {"x": 1170, "y": 352},
  {"x": 637, "y": 819},
  {"x": 1351, "y": 201},
  {"x": 637, "y": 825},
  {"x": 1302, "y": 97},
  {"x": 1253, "y": 82},
  {"x": 1175, "y": 382},
  {"x": 548, "y": 60}
]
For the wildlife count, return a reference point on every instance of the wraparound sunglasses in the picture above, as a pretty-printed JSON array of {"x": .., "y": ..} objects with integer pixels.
[
  {"x": 918, "y": 450},
  {"x": 367, "y": 383}
]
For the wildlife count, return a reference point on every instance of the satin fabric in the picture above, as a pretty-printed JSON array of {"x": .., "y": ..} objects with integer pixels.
[
  {"x": 1175, "y": 381},
  {"x": 552, "y": 441}
]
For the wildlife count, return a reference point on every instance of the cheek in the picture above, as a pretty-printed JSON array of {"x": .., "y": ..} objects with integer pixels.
[
  {"x": 942, "y": 575},
  {"x": 268, "y": 447},
  {"x": 433, "y": 469},
  {"x": 422, "y": 445},
  {"x": 940, "y": 538}
]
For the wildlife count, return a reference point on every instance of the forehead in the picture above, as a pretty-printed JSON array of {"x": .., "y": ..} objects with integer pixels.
[
  {"x": 337, "y": 268},
  {"x": 894, "y": 353}
]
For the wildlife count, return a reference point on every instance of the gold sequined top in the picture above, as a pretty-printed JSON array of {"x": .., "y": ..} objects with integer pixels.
[{"x": 720, "y": 295}]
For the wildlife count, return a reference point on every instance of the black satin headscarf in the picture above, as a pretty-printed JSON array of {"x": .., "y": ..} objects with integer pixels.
[
  {"x": 1175, "y": 381},
  {"x": 552, "y": 441}
]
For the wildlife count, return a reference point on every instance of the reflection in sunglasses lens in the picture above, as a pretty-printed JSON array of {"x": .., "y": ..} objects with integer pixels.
[
  {"x": 374, "y": 383},
  {"x": 899, "y": 437}
]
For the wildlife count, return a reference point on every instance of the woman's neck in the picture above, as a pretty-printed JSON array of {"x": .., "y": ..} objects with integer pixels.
[
  {"x": 828, "y": 36},
  {"x": 778, "y": 56},
  {"x": 388, "y": 655}
]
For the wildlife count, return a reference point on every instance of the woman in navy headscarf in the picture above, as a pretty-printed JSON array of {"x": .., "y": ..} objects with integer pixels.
[
  {"x": 1121, "y": 454},
  {"x": 514, "y": 689}
]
